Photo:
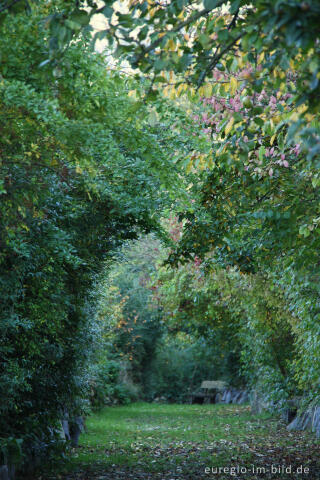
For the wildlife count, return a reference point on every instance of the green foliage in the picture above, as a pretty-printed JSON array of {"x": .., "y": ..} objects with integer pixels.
[
  {"x": 81, "y": 171},
  {"x": 106, "y": 386},
  {"x": 91, "y": 158},
  {"x": 193, "y": 303},
  {"x": 162, "y": 359},
  {"x": 131, "y": 323},
  {"x": 261, "y": 328},
  {"x": 254, "y": 70},
  {"x": 179, "y": 365}
]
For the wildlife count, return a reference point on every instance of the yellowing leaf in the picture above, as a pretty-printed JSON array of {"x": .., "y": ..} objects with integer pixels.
[
  {"x": 272, "y": 139},
  {"x": 229, "y": 125},
  {"x": 302, "y": 108},
  {"x": 181, "y": 88},
  {"x": 208, "y": 90},
  {"x": 173, "y": 93},
  {"x": 241, "y": 62},
  {"x": 171, "y": 44},
  {"x": 294, "y": 117},
  {"x": 283, "y": 87},
  {"x": 233, "y": 85},
  {"x": 189, "y": 166}
]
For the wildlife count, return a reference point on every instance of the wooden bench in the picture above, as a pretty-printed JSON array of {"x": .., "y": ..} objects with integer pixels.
[{"x": 208, "y": 391}]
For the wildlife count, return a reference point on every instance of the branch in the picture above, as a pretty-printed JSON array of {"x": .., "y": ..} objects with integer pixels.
[
  {"x": 233, "y": 21},
  {"x": 216, "y": 59},
  {"x": 181, "y": 25}
]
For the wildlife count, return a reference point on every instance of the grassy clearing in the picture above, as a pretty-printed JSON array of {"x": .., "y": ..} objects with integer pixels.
[{"x": 151, "y": 441}]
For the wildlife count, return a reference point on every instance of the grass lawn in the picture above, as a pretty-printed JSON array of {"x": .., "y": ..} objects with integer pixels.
[{"x": 189, "y": 442}]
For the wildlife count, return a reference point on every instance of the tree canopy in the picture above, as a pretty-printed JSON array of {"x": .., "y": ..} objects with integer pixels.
[{"x": 211, "y": 141}]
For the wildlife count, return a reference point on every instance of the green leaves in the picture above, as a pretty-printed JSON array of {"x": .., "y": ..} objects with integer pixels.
[
  {"x": 211, "y": 4},
  {"x": 82, "y": 171}
]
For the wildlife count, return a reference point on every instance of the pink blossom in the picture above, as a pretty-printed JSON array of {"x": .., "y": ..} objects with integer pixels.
[{"x": 285, "y": 164}]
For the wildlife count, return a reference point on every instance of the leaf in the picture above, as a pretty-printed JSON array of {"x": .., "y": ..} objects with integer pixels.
[
  {"x": 262, "y": 151},
  {"x": 210, "y": 4},
  {"x": 153, "y": 119},
  {"x": 233, "y": 85},
  {"x": 171, "y": 44},
  {"x": 258, "y": 121},
  {"x": 80, "y": 17},
  {"x": 229, "y": 126},
  {"x": 272, "y": 139},
  {"x": 315, "y": 182}
]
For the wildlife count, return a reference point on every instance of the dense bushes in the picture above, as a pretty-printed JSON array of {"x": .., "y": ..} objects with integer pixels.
[
  {"x": 81, "y": 171},
  {"x": 108, "y": 385},
  {"x": 179, "y": 365}
]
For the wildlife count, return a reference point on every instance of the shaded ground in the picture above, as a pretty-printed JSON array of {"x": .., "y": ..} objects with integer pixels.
[{"x": 189, "y": 442}]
